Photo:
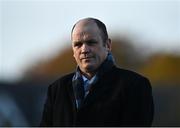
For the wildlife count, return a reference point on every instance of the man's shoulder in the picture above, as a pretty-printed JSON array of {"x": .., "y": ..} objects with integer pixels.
[
  {"x": 65, "y": 79},
  {"x": 130, "y": 78},
  {"x": 126, "y": 73}
]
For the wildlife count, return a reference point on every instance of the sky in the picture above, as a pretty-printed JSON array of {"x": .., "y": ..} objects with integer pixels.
[{"x": 31, "y": 30}]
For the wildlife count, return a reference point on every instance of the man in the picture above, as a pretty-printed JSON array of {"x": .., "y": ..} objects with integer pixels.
[{"x": 98, "y": 93}]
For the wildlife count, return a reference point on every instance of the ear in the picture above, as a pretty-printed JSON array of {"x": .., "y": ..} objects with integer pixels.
[{"x": 108, "y": 45}]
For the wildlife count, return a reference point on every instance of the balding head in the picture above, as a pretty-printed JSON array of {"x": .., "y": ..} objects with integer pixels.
[{"x": 96, "y": 23}]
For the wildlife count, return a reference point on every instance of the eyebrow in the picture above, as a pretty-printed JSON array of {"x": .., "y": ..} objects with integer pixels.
[{"x": 90, "y": 40}]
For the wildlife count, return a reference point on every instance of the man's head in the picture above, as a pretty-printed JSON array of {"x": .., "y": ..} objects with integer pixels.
[
  {"x": 90, "y": 45},
  {"x": 101, "y": 26}
]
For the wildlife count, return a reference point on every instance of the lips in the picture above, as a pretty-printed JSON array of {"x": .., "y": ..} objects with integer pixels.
[{"x": 85, "y": 58}]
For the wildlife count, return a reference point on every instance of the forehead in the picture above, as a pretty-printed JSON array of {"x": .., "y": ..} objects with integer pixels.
[{"x": 85, "y": 29}]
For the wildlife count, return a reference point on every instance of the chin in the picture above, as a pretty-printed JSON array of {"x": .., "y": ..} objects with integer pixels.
[{"x": 90, "y": 68}]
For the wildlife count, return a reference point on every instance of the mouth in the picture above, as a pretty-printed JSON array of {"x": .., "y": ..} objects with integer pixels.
[{"x": 86, "y": 58}]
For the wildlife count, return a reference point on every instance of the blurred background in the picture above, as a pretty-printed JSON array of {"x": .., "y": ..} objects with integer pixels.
[{"x": 35, "y": 50}]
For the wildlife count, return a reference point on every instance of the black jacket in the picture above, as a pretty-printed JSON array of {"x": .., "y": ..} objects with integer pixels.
[{"x": 119, "y": 98}]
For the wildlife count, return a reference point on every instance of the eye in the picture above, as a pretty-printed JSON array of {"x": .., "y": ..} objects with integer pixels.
[
  {"x": 77, "y": 44},
  {"x": 91, "y": 42}
]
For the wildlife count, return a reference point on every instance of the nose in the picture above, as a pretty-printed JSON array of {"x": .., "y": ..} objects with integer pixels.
[{"x": 85, "y": 48}]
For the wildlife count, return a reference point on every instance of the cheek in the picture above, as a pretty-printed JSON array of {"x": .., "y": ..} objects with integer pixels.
[
  {"x": 102, "y": 52},
  {"x": 76, "y": 56}
]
